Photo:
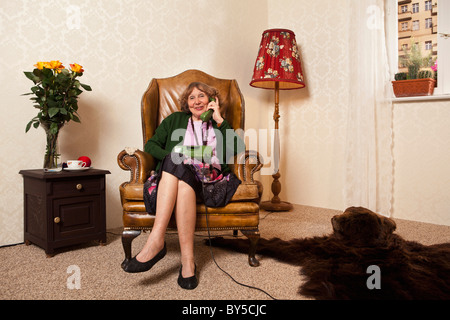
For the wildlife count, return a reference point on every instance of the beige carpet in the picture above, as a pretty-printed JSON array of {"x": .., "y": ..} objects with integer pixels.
[{"x": 26, "y": 273}]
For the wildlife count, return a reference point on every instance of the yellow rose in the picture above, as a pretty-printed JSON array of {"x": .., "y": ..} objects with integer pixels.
[
  {"x": 76, "y": 68},
  {"x": 56, "y": 65},
  {"x": 40, "y": 65}
]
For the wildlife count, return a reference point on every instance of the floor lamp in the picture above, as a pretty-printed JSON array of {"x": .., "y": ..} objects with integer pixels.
[{"x": 277, "y": 68}]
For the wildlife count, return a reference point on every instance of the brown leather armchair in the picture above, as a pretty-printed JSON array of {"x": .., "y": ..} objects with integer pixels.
[{"x": 242, "y": 213}]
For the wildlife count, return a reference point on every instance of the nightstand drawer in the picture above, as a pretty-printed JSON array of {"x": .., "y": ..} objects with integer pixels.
[{"x": 77, "y": 186}]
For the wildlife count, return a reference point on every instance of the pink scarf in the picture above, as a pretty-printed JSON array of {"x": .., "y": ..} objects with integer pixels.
[{"x": 203, "y": 132}]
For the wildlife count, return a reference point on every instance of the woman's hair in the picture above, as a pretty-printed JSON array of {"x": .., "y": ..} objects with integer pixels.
[{"x": 211, "y": 92}]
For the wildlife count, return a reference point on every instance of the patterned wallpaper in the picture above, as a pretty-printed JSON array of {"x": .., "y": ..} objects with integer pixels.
[
  {"x": 122, "y": 44},
  {"x": 313, "y": 123},
  {"x": 314, "y": 118}
]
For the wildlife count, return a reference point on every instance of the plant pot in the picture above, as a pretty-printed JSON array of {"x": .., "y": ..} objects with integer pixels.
[{"x": 413, "y": 87}]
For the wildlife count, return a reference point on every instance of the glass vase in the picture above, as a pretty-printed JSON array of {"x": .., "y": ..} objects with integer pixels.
[{"x": 51, "y": 157}]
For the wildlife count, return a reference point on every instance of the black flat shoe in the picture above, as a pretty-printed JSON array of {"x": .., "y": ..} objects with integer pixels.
[
  {"x": 190, "y": 282},
  {"x": 135, "y": 266}
]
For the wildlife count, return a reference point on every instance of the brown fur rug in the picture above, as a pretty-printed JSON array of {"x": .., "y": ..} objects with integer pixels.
[{"x": 337, "y": 266}]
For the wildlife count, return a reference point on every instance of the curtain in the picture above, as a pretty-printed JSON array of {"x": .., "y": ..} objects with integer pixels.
[{"x": 369, "y": 161}]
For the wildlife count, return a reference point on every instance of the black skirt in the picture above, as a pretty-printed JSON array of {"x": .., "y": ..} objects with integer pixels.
[
  {"x": 218, "y": 194},
  {"x": 182, "y": 172}
]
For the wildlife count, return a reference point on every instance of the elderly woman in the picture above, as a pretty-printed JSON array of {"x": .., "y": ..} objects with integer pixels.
[{"x": 177, "y": 184}]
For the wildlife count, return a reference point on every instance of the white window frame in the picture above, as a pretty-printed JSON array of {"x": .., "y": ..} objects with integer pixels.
[
  {"x": 442, "y": 91},
  {"x": 404, "y": 26},
  {"x": 415, "y": 8},
  {"x": 428, "y": 5}
]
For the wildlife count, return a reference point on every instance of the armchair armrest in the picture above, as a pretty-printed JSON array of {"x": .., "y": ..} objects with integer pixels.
[
  {"x": 138, "y": 162},
  {"x": 246, "y": 164}
]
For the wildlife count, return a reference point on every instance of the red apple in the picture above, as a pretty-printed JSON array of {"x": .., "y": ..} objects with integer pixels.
[{"x": 85, "y": 160}]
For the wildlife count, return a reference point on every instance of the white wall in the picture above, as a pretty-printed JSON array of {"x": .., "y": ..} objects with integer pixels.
[
  {"x": 122, "y": 44},
  {"x": 422, "y": 161}
]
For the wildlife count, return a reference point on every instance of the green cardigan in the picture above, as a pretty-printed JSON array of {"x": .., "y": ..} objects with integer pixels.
[{"x": 166, "y": 138}]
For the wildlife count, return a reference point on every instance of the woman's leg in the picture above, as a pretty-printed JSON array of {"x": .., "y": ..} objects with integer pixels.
[
  {"x": 166, "y": 197},
  {"x": 185, "y": 213}
]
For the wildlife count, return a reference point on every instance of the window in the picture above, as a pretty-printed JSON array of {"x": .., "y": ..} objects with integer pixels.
[
  {"x": 404, "y": 8},
  {"x": 433, "y": 37}
]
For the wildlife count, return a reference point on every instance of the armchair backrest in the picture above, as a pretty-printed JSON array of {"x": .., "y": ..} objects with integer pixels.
[{"x": 162, "y": 98}]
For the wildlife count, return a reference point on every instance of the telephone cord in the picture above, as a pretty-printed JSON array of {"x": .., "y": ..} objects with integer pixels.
[{"x": 212, "y": 254}]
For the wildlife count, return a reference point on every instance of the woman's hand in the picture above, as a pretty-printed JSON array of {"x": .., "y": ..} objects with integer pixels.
[{"x": 214, "y": 105}]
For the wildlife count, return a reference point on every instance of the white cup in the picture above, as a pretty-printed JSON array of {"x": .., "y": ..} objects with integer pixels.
[{"x": 75, "y": 164}]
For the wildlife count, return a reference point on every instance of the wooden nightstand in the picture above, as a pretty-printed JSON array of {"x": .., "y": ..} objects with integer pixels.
[{"x": 64, "y": 208}]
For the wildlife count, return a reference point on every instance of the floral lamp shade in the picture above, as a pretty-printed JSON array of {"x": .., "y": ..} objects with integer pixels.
[{"x": 278, "y": 61}]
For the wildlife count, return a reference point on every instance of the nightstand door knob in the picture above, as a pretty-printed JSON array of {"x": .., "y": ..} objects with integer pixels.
[
  {"x": 57, "y": 220},
  {"x": 79, "y": 186}
]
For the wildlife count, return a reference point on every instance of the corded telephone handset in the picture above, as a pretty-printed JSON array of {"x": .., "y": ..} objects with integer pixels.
[
  {"x": 206, "y": 116},
  {"x": 201, "y": 153}
]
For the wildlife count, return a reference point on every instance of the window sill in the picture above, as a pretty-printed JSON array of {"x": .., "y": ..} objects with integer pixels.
[{"x": 422, "y": 98}]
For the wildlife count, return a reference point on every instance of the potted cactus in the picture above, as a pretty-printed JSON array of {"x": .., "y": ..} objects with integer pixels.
[
  {"x": 420, "y": 78},
  {"x": 422, "y": 86}
]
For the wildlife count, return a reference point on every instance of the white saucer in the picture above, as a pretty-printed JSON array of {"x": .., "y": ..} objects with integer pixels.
[{"x": 77, "y": 169}]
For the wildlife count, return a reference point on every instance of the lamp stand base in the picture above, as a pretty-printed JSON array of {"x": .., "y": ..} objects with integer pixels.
[{"x": 276, "y": 206}]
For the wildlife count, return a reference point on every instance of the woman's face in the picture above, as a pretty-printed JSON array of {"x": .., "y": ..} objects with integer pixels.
[{"x": 197, "y": 102}]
